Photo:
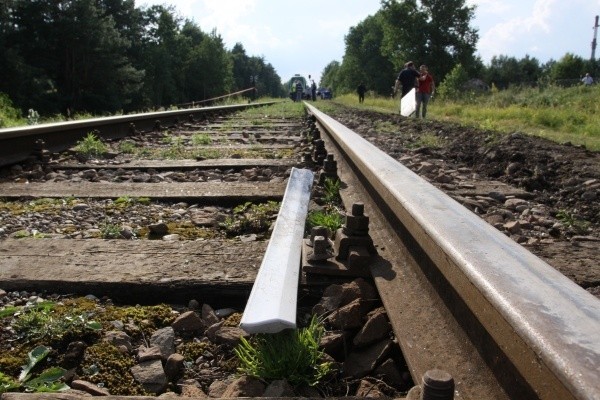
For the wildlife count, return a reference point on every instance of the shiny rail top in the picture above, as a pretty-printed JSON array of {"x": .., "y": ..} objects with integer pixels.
[{"x": 548, "y": 326}]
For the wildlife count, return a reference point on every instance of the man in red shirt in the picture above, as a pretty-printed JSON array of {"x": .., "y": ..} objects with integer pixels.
[{"x": 425, "y": 90}]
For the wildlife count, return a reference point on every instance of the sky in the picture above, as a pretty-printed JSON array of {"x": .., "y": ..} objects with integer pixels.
[{"x": 302, "y": 37}]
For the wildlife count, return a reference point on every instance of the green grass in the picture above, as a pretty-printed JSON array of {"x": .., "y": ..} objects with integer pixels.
[
  {"x": 127, "y": 147},
  {"x": 329, "y": 218},
  {"x": 91, "y": 146},
  {"x": 283, "y": 108},
  {"x": 332, "y": 191},
  {"x": 555, "y": 113},
  {"x": 9, "y": 115},
  {"x": 293, "y": 355},
  {"x": 201, "y": 139}
]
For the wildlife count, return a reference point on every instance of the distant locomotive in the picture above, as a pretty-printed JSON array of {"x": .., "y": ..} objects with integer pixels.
[{"x": 306, "y": 90}]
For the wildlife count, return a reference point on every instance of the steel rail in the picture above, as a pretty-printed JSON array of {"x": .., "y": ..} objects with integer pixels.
[
  {"x": 546, "y": 326},
  {"x": 272, "y": 304},
  {"x": 17, "y": 144}
]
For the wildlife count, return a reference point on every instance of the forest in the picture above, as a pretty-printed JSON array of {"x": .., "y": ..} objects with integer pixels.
[
  {"x": 105, "y": 57},
  {"x": 108, "y": 56}
]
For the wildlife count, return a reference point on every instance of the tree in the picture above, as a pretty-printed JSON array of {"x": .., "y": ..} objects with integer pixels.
[
  {"x": 103, "y": 56},
  {"x": 502, "y": 71},
  {"x": 453, "y": 84},
  {"x": 241, "y": 68},
  {"x": 208, "y": 69},
  {"x": 26, "y": 55},
  {"x": 570, "y": 67},
  {"x": 432, "y": 32},
  {"x": 530, "y": 70},
  {"x": 363, "y": 60},
  {"x": 94, "y": 72},
  {"x": 270, "y": 82},
  {"x": 254, "y": 72},
  {"x": 330, "y": 76},
  {"x": 160, "y": 56},
  {"x": 67, "y": 54}
]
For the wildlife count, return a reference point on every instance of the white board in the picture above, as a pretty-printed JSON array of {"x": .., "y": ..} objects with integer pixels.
[{"x": 408, "y": 104}]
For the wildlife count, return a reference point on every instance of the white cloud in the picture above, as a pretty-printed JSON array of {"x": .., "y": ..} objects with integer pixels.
[
  {"x": 304, "y": 36},
  {"x": 545, "y": 29},
  {"x": 493, "y": 7},
  {"x": 525, "y": 29}
]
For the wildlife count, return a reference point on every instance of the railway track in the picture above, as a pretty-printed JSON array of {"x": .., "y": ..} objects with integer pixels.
[{"x": 459, "y": 297}]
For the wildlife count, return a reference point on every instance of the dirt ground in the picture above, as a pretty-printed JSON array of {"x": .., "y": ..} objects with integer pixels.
[{"x": 558, "y": 219}]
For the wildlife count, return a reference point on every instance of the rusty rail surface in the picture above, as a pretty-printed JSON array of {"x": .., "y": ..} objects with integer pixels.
[{"x": 545, "y": 326}]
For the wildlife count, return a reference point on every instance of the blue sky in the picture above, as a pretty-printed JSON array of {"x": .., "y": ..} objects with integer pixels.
[{"x": 304, "y": 36}]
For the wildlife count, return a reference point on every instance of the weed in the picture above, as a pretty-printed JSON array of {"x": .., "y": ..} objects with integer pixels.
[
  {"x": 33, "y": 234},
  {"x": 176, "y": 150},
  {"x": 106, "y": 366},
  {"x": 110, "y": 231},
  {"x": 329, "y": 218},
  {"x": 91, "y": 146},
  {"x": 32, "y": 117},
  {"x": 578, "y": 225},
  {"x": 293, "y": 355},
  {"x": 127, "y": 200},
  {"x": 9, "y": 115},
  {"x": 428, "y": 140},
  {"x": 201, "y": 139},
  {"x": 47, "y": 381},
  {"x": 48, "y": 322},
  {"x": 287, "y": 109},
  {"x": 127, "y": 147},
  {"x": 557, "y": 113},
  {"x": 332, "y": 191},
  {"x": 21, "y": 234},
  {"x": 488, "y": 124},
  {"x": 167, "y": 138},
  {"x": 251, "y": 218},
  {"x": 206, "y": 154},
  {"x": 144, "y": 319},
  {"x": 386, "y": 127}
]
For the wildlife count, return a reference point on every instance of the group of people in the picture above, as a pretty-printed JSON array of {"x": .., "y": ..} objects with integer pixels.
[
  {"x": 421, "y": 80},
  {"x": 408, "y": 79},
  {"x": 298, "y": 91}
]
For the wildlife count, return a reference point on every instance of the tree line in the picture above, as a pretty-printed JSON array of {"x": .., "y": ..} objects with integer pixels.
[
  {"x": 437, "y": 33},
  {"x": 109, "y": 56}
]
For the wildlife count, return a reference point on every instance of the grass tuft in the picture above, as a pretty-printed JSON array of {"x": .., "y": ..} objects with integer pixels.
[{"x": 293, "y": 355}]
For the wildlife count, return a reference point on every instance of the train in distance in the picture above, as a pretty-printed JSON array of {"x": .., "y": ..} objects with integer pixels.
[{"x": 323, "y": 93}]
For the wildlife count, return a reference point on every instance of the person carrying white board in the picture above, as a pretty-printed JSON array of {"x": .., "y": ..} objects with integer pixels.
[{"x": 407, "y": 81}]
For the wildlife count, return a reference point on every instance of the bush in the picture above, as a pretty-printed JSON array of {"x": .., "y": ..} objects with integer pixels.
[
  {"x": 453, "y": 85},
  {"x": 9, "y": 116}
]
